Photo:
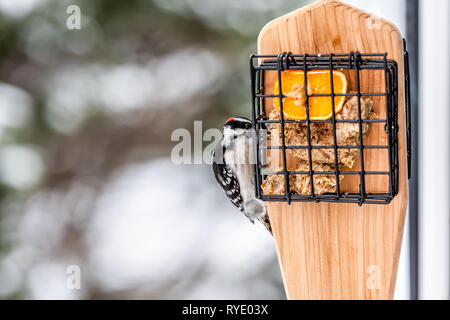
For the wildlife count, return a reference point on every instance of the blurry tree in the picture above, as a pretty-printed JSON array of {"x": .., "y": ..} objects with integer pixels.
[{"x": 78, "y": 107}]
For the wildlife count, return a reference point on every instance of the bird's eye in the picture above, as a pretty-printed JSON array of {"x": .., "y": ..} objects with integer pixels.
[{"x": 248, "y": 126}]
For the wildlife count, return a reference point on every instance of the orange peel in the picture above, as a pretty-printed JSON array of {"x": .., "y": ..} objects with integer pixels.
[{"x": 319, "y": 82}]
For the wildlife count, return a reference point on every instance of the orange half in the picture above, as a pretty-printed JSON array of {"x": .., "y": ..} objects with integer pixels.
[{"x": 319, "y": 82}]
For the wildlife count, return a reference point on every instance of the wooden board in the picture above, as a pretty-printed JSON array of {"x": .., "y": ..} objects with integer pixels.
[{"x": 341, "y": 251}]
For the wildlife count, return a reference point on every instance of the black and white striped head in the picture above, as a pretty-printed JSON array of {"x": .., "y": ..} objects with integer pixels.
[
  {"x": 238, "y": 123},
  {"x": 236, "y": 127}
]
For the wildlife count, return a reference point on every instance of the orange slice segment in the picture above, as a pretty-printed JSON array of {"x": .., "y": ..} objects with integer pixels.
[{"x": 319, "y": 82}]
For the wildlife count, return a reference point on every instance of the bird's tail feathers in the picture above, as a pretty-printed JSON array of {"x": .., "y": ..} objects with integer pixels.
[{"x": 254, "y": 209}]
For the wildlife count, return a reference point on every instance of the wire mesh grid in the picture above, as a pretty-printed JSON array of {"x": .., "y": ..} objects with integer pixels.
[{"x": 260, "y": 65}]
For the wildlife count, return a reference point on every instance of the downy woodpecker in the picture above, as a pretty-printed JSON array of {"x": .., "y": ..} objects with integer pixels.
[{"x": 233, "y": 165}]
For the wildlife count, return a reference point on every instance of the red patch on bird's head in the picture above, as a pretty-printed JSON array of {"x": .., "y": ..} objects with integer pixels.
[{"x": 231, "y": 119}]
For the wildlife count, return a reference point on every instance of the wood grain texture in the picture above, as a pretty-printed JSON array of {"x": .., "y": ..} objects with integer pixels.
[{"x": 341, "y": 251}]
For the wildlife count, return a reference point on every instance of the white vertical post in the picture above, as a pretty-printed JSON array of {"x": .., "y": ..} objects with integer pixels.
[{"x": 434, "y": 160}]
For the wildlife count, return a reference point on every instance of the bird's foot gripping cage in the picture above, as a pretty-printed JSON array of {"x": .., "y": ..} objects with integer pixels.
[{"x": 350, "y": 185}]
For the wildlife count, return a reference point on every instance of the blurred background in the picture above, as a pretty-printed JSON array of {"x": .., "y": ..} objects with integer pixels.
[{"x": 86, "y": 178}]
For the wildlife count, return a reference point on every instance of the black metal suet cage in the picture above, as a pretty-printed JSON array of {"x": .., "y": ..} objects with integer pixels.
[{"x": 260, "y": 65}]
